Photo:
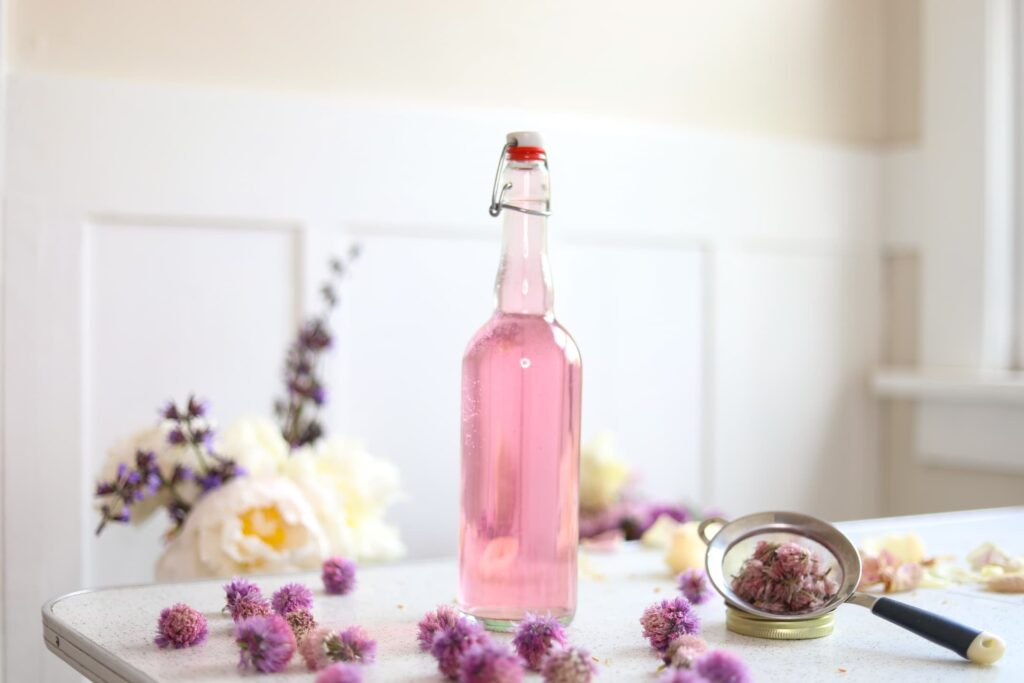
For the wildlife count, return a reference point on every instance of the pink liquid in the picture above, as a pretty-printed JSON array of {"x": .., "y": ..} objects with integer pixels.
[{"x": 520, "y": 470}]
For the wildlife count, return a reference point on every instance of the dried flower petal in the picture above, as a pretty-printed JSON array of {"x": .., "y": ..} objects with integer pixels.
[
  {"x": 253, "y": 605},
  {"x": 339, "y": 575},
  {"x": 340, "y": 673},
  {"x": 535, "y": 637},
  {"x": 265, "y": 644},
  {"x": 323, "y": 646},
  {"x": 445, "y": 616},
  {"x": 292, "y": 597},
  {"x": 237, "y": 589},
  {"x": 1010, "y": 583},
  {"x": 451, "y": 644},
  {"x": 719, "y": 666},
  {"x": 683, "y": 651},
  {"x": 667, "y": 620},
  {"x": 301, "y": 622},
  {"x": 571, "y": 665},
  {"x": 180, "y": 626},
  {"x": 490, "y": 663},
  {"x": 682, "y": 676},
  {"x": 693, "y": 583}
]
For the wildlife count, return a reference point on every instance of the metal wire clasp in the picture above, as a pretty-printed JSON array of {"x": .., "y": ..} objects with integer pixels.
[{"x": 498, "y": 194}]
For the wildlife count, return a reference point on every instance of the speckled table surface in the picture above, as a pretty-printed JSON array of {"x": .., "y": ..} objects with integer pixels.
[{"x": 107, "y": 634}]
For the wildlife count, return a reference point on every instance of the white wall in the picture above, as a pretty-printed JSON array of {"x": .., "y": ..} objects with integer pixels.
[{"x": 805, "y": 68}]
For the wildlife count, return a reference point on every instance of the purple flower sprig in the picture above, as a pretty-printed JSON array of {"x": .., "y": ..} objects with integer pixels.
[
  {"x": 144, "y": 480},
  {"x": 129, "y": 486},
  {"x": 305, "y": 390}
]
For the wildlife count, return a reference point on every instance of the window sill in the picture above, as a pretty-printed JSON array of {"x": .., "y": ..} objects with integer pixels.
[
  {"x": 966, "y": 420},
  {"x": 944, "y": 384}
]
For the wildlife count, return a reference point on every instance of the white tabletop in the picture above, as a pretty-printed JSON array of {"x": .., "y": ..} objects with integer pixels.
[{"x": 108, "y": 634}]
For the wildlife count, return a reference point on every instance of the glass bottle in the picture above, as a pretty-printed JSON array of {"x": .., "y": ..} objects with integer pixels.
[{"x": 521, "y": 373}]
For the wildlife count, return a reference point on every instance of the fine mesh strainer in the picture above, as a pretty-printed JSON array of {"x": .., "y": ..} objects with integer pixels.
[{"x": 735, "y": 542}]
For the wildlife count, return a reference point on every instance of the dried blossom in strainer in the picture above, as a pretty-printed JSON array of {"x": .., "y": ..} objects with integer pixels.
[{"x": 784, "y": 578}]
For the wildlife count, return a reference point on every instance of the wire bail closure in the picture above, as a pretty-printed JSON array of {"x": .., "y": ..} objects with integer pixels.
[{"x": 498, "y": 195}]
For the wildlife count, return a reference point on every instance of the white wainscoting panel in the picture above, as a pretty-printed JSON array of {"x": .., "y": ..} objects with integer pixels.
[
  {"x": 793, "y": 421},
  {"x": 161, "y": 239},
  {"x": 637, "y": 314}
]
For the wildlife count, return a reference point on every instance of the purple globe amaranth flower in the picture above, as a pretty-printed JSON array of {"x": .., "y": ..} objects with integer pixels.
[
  {"x": 239, "y": 588},
  {"x": 302, "y": 622},
  {"x": 667, "y": 620},
  {"x": 180, "y": 626},
  {"x": 445, "y": 616},
  {"x": 571, "y": 665},
  {"x": 490, "y": 663},
  {"x": 292, "y": 597},
  {"x": 534, "y": 638},
  {"x": 339, "y": 575},
  {"x": 683, "y": 651},
  {"x": 251, "y": 606},
  {"x": 452, "y": 642},
  {"x": 340, "y": 673},
  {"x": 682, "y": 676},
  {"x": 693, "y": 584},
  {"x": 719, "y": 666},
  {"x": 351, "y": 645},
  {"x": 265, "y": 644},
  {"x": 322, "y": 647}
]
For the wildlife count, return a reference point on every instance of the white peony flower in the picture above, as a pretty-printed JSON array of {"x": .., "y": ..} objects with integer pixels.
[
  {"x": 251, "y": 524},
  {"x": 350, "y": 491},
  {"x": 255, "y": 444},
  {"x": 603, "y": 473}
]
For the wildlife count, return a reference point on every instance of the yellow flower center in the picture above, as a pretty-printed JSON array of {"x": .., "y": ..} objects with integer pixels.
[{"x": 265, "y": 524}]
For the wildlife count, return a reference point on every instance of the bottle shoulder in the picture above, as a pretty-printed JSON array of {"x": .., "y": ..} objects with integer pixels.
[{"x": 504, "y": 330}]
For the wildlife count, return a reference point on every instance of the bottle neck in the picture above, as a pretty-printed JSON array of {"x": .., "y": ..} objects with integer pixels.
[{"x": 524, "y": 275}]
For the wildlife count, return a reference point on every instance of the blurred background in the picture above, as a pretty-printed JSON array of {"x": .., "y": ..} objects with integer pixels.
[{"x": 786, "y": 236}]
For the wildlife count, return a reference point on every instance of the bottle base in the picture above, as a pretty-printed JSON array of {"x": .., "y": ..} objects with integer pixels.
[{"x": 492, "y": 620}]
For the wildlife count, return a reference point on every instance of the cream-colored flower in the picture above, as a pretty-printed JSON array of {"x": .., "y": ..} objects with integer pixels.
[
  {"x": 903, "y": 547},
  {"x": 659, "y": 534},
  {"x": 255, "y": 444},
  {"x": 350, "y": 490},
  {"x": 686, "y": 549},
  {"x": 603, "y": 473},
  {"x": 251, "y": 524}
]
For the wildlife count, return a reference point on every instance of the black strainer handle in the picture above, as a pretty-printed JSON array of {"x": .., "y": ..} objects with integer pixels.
[{"x": 981, "y": 647}]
